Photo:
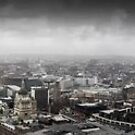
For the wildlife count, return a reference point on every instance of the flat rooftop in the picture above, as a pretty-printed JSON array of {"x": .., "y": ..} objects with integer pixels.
[
  {"x": 65, "y": 129},
  {"x": 88, "y": 104}
]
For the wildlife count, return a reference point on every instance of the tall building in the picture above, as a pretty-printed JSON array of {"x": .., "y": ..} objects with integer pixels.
[
  {"x": 40, "y": 94},
  {"x": 56, "y": 98},
  {"x": 24, "y": 106},
  {"x": 57, "y": 92}
]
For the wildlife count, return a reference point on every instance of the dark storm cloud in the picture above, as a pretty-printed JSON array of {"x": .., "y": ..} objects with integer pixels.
[
  {"x": 67, "y": 26},
  {"x": 64, "y": 8}
]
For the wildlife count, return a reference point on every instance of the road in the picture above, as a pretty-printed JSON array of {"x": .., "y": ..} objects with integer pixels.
[{"x": 108, "y": 129}]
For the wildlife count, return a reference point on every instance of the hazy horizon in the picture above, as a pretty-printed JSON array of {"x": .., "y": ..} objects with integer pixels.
[{"x": 67, "y": 27}]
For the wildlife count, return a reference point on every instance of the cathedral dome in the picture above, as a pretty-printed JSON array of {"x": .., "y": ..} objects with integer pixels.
[{"x": 23, "y": 92}]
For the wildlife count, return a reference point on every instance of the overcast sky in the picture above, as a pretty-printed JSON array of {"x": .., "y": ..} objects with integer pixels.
[{"x": 69, "y": 27}]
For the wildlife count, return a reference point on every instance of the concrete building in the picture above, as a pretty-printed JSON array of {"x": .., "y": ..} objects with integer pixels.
[
  {"x": 55, "y": 100},
  {"x": 88, "y": 108},
  {"x": 40, "y": 94},
  {"x": 57, "y": 92},
  {"x": 66, "y": 83},
  {"x": 11, "y": 90},
  {"x": 17, "y": 81},
  {"x": 85, "y": 81}
]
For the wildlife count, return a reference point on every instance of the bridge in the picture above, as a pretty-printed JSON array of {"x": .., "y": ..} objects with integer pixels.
[{"x": 113, "y": 122}]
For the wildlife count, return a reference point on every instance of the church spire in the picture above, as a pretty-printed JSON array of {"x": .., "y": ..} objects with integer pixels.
[
  {"x": 23, "y": 90},
  {"x": 23, "y": 85}
]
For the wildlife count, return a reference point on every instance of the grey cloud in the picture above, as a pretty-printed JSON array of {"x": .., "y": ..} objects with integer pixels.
[{"x": 66, "y": 28}]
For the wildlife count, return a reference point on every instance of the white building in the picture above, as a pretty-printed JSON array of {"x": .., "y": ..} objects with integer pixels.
[
  {"x": 86, "y": 81},
  {"x": 24, "y": 106}
]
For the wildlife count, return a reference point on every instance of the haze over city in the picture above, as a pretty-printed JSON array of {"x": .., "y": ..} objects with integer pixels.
[
  {"x": 79, "y": 27},
  {"x": 67, "y": 67}
]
